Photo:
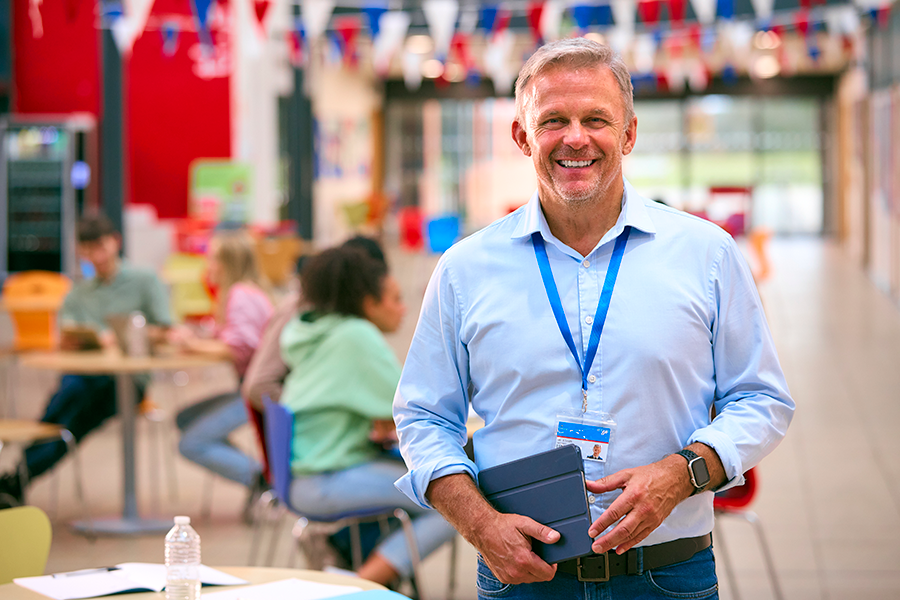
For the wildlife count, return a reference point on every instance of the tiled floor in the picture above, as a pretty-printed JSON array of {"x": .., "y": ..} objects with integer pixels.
[{"x": 829, "y": 497}]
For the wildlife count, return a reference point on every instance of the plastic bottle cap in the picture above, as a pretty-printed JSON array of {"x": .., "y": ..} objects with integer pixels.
[{"x": 182, "y": 520}]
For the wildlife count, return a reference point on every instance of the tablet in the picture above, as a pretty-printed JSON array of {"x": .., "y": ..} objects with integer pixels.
[
  {"x": 549, "y": 488},
  {"x": 86, "y": 336}
]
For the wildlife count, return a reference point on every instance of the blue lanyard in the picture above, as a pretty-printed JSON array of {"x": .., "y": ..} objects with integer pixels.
[{"x": 540, "y": 252}]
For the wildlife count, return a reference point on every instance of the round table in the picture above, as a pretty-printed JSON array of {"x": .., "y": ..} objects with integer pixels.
[
  {"x": 255, "y": 575},
  {"x": 123, "y": 368}
]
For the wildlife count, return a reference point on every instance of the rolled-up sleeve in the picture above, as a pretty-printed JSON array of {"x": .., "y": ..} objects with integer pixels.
[
  {"x": 431, "y": 403},
  {"x": 753, "y": 405}
]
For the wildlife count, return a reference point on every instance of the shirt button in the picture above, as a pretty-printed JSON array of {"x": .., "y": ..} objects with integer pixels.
[
  {"x": 586, "y": 264},
  {"x": 591, "y": 499},
  {"x": 592, "y": 378},
  {"x": 589, "y": 320}
]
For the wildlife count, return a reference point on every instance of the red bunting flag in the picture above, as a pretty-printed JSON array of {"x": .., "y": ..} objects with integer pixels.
[
  {"x": 677, "y": 11},
  {"x": 460, "y": 48},
  {"x": 535, "y": 11},
  {"x": 501, "y": 23},
  {"x": 261, "y": 7},
  {"x": 695, "y": 34},
  {"x": 801, "y": 21},
  {"x": 884, "y": 16},
  {"x": 347, "y": 28},
  {"x": 649, "y": 11}
]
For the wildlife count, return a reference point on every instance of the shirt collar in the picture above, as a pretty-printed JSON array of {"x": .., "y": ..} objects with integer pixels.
[{"x": 634, "y": 213}]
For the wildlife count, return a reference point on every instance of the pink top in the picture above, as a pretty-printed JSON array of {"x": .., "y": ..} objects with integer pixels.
[{"x": 247, "y": 310}]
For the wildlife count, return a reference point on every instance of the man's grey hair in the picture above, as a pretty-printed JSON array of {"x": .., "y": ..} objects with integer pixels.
[{"x": 575, "y": 53}]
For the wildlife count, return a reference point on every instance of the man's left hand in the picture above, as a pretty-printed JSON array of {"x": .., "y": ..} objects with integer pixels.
[{"x": 649, "y": 494}]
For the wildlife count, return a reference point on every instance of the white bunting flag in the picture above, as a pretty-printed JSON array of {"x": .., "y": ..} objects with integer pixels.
[
  {"x": 393, "y": 26},
  {"x": 315, "y": 15},
  {"x": 441, "y": 17},
  {"x": 705, "y": 10}
]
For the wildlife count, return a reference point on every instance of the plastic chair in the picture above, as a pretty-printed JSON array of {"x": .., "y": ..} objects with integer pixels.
[
  {"x": 23, "y": 433},
  {"x": 735, "y": 502},
  {"x": 279, "y": 433},
  {"x": 26, "y": 535},
  {"x": 33, "y": 299}
]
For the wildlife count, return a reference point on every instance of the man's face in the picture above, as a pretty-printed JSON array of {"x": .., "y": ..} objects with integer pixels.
[
  {"x": 103, "y": 253},
  {"x": 575, "y": 132}
]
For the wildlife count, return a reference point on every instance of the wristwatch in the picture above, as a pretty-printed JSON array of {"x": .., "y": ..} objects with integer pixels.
[{"x": 697, "y": 470}]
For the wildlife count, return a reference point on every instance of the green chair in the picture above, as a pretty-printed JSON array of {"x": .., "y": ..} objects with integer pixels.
[{"x": 25, "y": 531}]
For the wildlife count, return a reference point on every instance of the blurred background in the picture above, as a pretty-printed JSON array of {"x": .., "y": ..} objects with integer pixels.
[{"x": 310, "y": 121}]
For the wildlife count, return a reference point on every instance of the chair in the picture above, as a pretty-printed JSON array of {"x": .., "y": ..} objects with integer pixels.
[
  {"x": 26, "y": 534},
  {"x": 734, "y": 502},
  {"x": 279, "y": 432},
  {"x": 23, "y": 433}
]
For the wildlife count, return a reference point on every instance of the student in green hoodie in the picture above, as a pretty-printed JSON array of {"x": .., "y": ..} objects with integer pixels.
[{"x": 340, "y": 388}]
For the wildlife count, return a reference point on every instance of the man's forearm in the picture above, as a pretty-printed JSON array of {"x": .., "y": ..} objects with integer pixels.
[{"x": 459, "y": 500}]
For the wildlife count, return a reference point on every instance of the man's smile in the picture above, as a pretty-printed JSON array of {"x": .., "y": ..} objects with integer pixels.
[{"x": 575, "y": 164}]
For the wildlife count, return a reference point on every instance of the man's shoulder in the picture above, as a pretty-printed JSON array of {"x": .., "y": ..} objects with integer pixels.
[
  {"x": 491, "y": 238},
  {"x": 135, "y": 274}
]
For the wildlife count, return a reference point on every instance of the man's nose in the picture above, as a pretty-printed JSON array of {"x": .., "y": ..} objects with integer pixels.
[{"x": 576, "y": 135}]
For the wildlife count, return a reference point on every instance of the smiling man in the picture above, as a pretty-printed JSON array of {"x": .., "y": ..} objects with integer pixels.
[{"x": 591, "y": 306}]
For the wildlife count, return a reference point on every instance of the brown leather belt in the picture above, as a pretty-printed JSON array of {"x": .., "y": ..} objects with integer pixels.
[{"x": 600, "y": 567}]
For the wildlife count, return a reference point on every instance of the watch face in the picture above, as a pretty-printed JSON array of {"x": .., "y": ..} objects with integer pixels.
[{"x": 701, "y": 473}]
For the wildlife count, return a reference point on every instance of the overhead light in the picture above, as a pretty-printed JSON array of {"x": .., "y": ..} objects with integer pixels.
[
  {"x": 432, "y": 68},
  {"x": 766, "y": 67},
  {"x": 766, "y": 40},
  {"x": 454, "y": 72},
  {"x": 419, "y": 44}
]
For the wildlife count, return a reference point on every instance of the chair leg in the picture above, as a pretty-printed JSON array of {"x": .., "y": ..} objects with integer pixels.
[
  {"x": 754, "y": 521},
  {"x": 355, "y": 546},
  {"x": 719, "y": 540},
  {"x": 262, "y": 510},
  {"x": 297, "y": 532},
  {"x": 414, "y": 556},
  {"x": 206, "y": 497},
  {"x": 451, "y": 576}
]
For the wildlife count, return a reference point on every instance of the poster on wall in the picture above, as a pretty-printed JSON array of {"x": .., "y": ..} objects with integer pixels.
[{"x": 220, "y": 190}]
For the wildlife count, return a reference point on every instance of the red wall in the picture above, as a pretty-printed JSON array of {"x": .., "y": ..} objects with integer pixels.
[{"x": 173, "y": 116}]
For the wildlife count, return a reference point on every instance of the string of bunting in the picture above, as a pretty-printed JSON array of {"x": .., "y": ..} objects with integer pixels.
[{"x": 638, "y": 27}]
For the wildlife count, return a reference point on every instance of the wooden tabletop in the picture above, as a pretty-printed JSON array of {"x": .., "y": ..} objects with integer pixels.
[
  {"x": 255, "y": 575},
  {"x": 108, "y": 362}
]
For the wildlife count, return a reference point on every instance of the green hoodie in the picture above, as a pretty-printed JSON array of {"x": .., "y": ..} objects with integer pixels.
[{"x": 342, "y": 375}]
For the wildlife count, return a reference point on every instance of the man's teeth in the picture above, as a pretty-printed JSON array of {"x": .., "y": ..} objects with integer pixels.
[{"x": 575, "y": 163}]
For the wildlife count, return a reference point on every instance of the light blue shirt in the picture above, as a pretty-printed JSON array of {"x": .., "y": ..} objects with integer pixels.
[{"x": 685, "y": 332}]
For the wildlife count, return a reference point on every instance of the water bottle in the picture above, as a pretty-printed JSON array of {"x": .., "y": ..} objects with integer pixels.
[{"x": 182, "y": 561}]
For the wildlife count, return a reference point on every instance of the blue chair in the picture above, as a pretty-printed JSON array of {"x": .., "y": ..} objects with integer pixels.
[{"x": 279, "y": 433}]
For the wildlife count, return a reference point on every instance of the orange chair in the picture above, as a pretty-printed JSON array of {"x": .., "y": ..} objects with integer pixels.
[
  {"x": 33, "y": 299},
  {"x": 735, "y": 502}
]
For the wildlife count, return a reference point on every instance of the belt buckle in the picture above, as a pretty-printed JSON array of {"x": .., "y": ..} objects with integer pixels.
[{"x": 602, "y": 579}]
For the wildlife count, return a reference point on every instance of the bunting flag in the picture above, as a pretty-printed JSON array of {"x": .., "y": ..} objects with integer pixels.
[
  {"x": 677, "y": 12},
  {"x": 801, "y": 21},
  {"x": 551, "y": 20},
  {"x": 315, "y": 15},
  {"x": 200, "y": 9},
  {"x": 603, "y": 15},
  {"x": 583, "y": 16},
  {"x": 496, "y": 61},
  {"x": 412, "y": 70},
  {"x": 534, "y": 13},
  {"x": 260, "y": 9},
  {"x": 170, "y": 35},
  {"x": 347, "y": 28},
  {"x": 488, "y": 18},
  {"x": 644, "y": 53},
  {"x": 441, "y": 17},
  {"x": 705, "y": 11},
  {"x": 623, "y": 12},
  {"x": 763, "y": 9},
  {"x": 295, "y": 42},
  {"x": 392, "y": 32},
  {"x": 373, "y": 14},
  {"x": 725, "y": 9},
  {"x": 461, "y": 50},
  {"x": 501, "y": 22},
  {"x": 649, "y": 11}
]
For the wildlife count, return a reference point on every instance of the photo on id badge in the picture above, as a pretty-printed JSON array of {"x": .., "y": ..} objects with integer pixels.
[{"x": 592, "y": 437}]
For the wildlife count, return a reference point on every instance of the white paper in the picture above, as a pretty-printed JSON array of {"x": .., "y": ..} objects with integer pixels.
[
  {"x": 129, "y": 577},
  {"x": 286, "y": 589}
]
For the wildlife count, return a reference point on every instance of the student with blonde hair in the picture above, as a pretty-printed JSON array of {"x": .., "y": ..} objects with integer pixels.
[{"x": 241, "y": 312}]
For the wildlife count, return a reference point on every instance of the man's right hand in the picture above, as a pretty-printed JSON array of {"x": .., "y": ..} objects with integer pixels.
[
  {"x": 505, "y": 545},
  {"x": 504, "y": 540}
]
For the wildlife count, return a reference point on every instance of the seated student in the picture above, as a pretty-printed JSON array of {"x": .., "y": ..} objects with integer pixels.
[
  {"x": 82, "y": 403},
  {"x": 342, "y": 379},
  {"x": 242, "y": 311}
]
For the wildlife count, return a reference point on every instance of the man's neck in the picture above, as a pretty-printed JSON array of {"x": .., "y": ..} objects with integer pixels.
[
  {"x": 110, "y": 275},
  {"x": 582, "y": 227}
]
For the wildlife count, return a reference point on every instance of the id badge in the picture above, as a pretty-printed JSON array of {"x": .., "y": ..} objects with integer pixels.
[{"x": 590, "y": 431}]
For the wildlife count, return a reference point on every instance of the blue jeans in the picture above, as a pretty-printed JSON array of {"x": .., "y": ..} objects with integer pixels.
[
  {"x": 694, "y": 578},
  {"x": 371, "y": 485},
  {"x": 205, "y": 428}
]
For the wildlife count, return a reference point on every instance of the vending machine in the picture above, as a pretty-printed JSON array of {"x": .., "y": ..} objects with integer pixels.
[{"x": 47, "y": 180}]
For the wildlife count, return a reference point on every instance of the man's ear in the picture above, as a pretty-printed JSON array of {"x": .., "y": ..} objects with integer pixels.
[
  {"x": 520, "y": 137},
  {"x": 630, "y": 137}
]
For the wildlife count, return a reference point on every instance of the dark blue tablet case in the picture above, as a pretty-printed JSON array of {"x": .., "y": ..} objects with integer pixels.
[{"x": 549, "y": 488}]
